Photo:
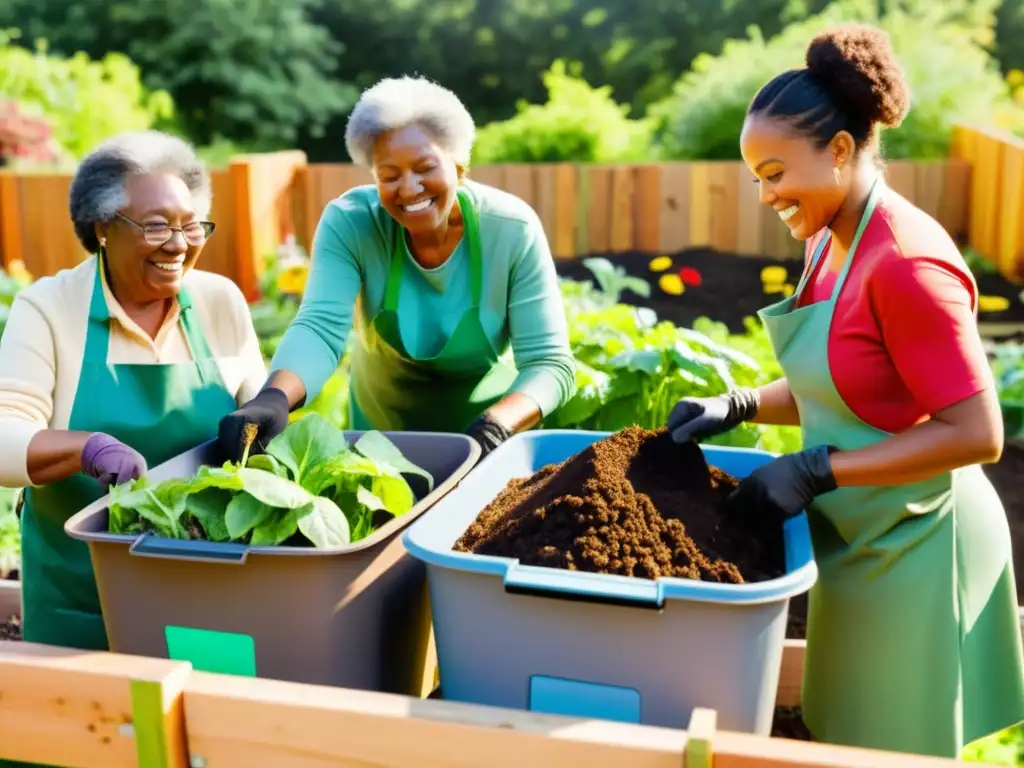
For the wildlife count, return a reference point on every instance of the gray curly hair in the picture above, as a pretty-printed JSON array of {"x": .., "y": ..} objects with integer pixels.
[
  {"x": 399, "y": 102},
  {"x": 98, "y": 187}
]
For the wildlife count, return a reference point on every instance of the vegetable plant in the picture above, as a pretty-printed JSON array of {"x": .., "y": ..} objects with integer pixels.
[{"x": 309, "y": 487}]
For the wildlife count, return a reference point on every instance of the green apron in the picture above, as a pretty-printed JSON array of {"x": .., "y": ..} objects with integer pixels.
[
  {"x": 444, "y": 392},
  {"x": 160, "y": 411},
  {"x": 913, "y": 636}
]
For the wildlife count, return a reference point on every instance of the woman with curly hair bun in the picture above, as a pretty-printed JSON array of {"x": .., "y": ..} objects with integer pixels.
[{"x": 913, "y": 638}]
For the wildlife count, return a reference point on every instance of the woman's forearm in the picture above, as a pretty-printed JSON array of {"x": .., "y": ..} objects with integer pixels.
[
  {"x": 290, "y": 384},
  {"x": 55, "y": 454},
  {"x": 777, "y": 406},
  {"x": 922, "y": 451},
  {"x": 515, "y": 411}
]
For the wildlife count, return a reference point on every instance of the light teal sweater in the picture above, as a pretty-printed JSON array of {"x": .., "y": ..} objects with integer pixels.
[{"x": 521, "y": 302}]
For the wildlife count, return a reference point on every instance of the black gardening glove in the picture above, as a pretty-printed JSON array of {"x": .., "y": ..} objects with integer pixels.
[
  {"x": 785, "y": 486},
  {"x": 488, "y": 433},
  {"x": 695, "y": 418},
  {"x": 268, "y": 411}
]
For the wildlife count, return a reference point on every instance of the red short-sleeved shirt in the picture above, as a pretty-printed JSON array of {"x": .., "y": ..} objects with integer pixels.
[{"x": 904, "y": 340}]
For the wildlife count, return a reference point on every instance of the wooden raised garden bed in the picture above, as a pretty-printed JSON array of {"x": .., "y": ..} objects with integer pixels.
[{"x": 104, "y": 710}]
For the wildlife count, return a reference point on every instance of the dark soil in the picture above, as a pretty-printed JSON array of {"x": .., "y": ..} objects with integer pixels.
[
  {"x": 731, "y": 288},
  {"x": 788, "y": 724},
  {"x": 634, "y": 504},
  {"x": 11, "y": 629}
]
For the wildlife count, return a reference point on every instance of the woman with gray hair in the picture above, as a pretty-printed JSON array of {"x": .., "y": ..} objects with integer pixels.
[
  {"x": 460, "y": 325},
  {"x": 120, "y": 363}
]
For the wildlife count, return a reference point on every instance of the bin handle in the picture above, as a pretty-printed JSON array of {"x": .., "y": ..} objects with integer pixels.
[
  {"x": 148, "y": 545},
  {"x": 583, "y": 586}
]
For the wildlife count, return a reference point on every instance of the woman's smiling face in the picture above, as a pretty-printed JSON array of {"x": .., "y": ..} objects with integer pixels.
[
  {"x": 416, "y": 179},
  {"x": 796, "y": 178}
]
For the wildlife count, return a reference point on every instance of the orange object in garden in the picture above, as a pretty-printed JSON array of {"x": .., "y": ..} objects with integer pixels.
[{"x": 689, "y": 276}]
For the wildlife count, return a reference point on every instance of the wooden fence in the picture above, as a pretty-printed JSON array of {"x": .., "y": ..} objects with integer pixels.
[
  {"x": 104, "y": 710},
  {"x": 995, "y": 223},
  {"x": 585, "y": 209}
]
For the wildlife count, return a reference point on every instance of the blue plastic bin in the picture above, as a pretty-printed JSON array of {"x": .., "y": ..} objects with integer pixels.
[{"x": 595, "y": 645}]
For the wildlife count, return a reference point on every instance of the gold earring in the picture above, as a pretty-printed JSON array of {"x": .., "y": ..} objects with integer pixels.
[{"x": 835, "y": 174}]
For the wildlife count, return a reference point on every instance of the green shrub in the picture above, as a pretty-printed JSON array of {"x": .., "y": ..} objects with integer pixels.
[
  {"x": 952, "y": 78},
  {"x": 577, "y": 124},
  {"x": 85, "y": 101}
]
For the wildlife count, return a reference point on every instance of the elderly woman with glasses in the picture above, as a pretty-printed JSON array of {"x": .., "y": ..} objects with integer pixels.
[
  {"x": 449, "y": 284},
  {"x": 120, "y": 363}
]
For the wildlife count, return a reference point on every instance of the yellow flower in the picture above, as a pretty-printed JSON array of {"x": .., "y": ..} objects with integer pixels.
[
  {"x": 993, "y": 303},
  {"x": 671, "y": 284},
  {"x": 293, "y": 279},
  {"x": 660, "y": 264},
  {"x": 774, "y": 275},
  {"x": 774, "y": 287},
  {"x": 787, "y": 289}
]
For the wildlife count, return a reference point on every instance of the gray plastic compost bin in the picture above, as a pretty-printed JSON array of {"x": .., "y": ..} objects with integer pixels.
[
  {"x": 601, "y": 645},
  {"x": 355, "y": 616}
]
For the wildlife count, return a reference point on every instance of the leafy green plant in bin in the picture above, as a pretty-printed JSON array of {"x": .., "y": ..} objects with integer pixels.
[{"x": 309, "y": 481}]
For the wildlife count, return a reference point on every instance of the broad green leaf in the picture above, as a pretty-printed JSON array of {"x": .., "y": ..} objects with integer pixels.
[
  {"x": 278, "y": 527},
  {"x": 272, "y": 490},
  {"x": 307, "y": 442},
  {"x": 325, "y": 525},
  {"x": 209, "y": 508},
  {"x": 267, "y": 463},
  {"x": 244, "y": 513},
  {"x": 374, "y": 445}
]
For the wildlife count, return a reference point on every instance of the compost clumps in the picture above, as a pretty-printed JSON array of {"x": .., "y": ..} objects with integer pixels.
[{"x": 635, "y": 504}]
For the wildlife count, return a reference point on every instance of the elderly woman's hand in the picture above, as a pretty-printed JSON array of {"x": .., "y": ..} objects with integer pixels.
[{"x": 110, "y": 461}]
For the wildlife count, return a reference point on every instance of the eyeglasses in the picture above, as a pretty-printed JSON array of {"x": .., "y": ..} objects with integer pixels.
[{"x": 195, "y": 233}]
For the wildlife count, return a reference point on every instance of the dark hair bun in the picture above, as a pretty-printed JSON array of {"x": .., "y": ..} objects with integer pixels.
[{"x": 856, "y": 62}]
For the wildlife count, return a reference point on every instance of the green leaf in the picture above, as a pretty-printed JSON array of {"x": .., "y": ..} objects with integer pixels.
[
  {"x": 374, "y": 445},
  {"x": 209, "y": 507},
  {"x": 324, "y": 524},
  {"x": 244, "y": 513},
  {"x": 305, "y": 443},
  {"x": 280, "y": 526},
  {"x": 267, "y": 463}
]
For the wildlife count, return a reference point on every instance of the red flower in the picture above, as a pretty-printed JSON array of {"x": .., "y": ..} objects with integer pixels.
[{"x": 689, "y": 276}]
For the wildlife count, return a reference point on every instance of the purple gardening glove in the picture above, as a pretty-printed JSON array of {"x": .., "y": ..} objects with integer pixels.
[{"x": 110, "y": 461}]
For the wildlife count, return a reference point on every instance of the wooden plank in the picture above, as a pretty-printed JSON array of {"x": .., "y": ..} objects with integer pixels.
[
  {"x": 986, "y": 193},
  {"x": 546, "y": 205},
  {"x": 69, "y": 707},
  {"x": 647, "y": 208},
  {"x": 749, "y": 213},
  {"x": 236, "y": 722},
  {"x": 519, "y": 181},
  {"x": 1009, "y": 221},
  {"x": 599, "y": 209},
  {"x": 564, "y": 244},
  {"x": 929, "y": 178},
  {"x": 11, "y": 245},
  {"x": 622, "y": 212},
  {"x": 700, "y": 204},
  {"x": 218, "y": 255},
  {"x": 900, "y": 176},
  {"x": 674, "y": 216},
  {"x": 491, "y": 175},
  {"x": 723, "y": 222},
  {"x": 955, "y": 202}
]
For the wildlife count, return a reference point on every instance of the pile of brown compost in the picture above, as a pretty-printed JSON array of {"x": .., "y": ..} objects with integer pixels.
[{"x": 635, "y": 504}]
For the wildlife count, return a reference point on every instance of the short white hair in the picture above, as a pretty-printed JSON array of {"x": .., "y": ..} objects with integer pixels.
[
  {"x": 395, "y": 103},
  {"x": 98, "y": 188}
]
